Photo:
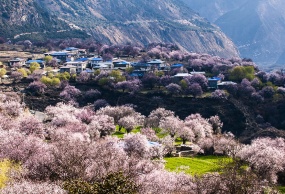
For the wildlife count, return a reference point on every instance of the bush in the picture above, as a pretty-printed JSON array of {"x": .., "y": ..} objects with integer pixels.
[
  {"x": 113, "y": 183},
  {"x": 50, "y": 81},
  {"x": 34, "y": 66},
  {"x": 37, "y": 87}
]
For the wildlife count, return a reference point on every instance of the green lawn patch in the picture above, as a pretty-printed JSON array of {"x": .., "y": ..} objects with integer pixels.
[
  {"x": 198, "y": 165},
  {"x": 281, "y": 189},
  {"x": 122, "y": 132}
]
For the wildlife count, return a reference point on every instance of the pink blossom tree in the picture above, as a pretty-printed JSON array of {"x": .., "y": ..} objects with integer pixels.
[
  {"x": 30, "y": 187},
  {"x": 149, "y": 133},
  {"x": 29, "y": 125},
  {"x": 136, "y": 145},
  {"x": 102, "y": 123},
  {"x": 186, "y": 134},
  {"x": 173, "y": 89},
  {"x": 157, "y": 115},
  {"x": 37, "y": 87},
  {"x": 216, "y": 124},
  {"x": 199, "y": 125},
  {"x": 171, "y": 125},
  {"x": 70, "y": 93},
  {"x": 131, "y": 121},
  {"x": 266, "y": 156}
]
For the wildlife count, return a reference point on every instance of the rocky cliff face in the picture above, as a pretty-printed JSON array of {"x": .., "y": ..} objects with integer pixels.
[
  {"x": 136, "y": 21},
  {"x": 257, "y": 27},
  {"x": 22, "y": 17}
]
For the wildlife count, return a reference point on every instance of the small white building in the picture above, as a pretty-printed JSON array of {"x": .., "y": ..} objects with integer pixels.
[
  {"x": 68, "y": 68},
  {"x": 103, "y": 65},
  {"x": 157, "y": 63},
  {"x": 17, "y": 61},
  {"x": 198, "y": 72},
  {"x": 80, "y": 65},
  {"x": 121, "y": 64},
  {"x": 95, "y": 61}
]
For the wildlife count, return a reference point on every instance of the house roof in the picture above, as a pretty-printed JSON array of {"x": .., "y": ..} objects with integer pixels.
[
  {"x": 176, "y": 65},
  {"x": 117, "y": 60},
  {"x": 155, "y": 61},
  {"x": 59, "y": 53},
  {"x": 214, "y": 79},
  {"x": 75, "y": 62},
  {"x": 141, "y": 64},
  {"x": 68, "y": 67},
  {"x": 198, "y": 72},
  {"x": 36, "y": 61},
  {"x": 182, "y": 75},
  {"x": 227, "y": 83},
  {"x": 71, "y": 49},
  {"x": 82, "y": 59},
  {"x": 96, "y": 59},
  {"x": 123, "y": 63}
]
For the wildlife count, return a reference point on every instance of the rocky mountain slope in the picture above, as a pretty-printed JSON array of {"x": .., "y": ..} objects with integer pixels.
[
  {"x": 213, "y": 9},
  {"x": 26, "y": 17},
  {"x": 139, "y": 22},
  {"x": 257, "y": 27}
]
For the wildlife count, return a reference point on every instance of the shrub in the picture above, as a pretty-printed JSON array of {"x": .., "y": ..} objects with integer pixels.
[
  {"x": 34, "y": 66},
  {"x": 23, "y": 72},
  {"x": 37, "y": 87}
]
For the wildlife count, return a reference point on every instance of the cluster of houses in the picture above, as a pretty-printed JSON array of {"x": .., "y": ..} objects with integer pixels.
[{"x": 74, "y": 60}]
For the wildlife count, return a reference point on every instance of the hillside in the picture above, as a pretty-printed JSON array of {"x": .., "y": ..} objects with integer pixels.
[
  {"x": 26, "y": 18},
  {"x": 257, "y": 27},
  {"x": 213, "y": 9},
  {"x": 120, "y": 22}
]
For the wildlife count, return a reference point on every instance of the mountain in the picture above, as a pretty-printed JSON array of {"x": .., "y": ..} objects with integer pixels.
[
  {"x": 257, "y": 27},
  {"x": 22, "y": 17},
  {"x": 213, "y": 9},
  {"x": 139, "y": 22}
]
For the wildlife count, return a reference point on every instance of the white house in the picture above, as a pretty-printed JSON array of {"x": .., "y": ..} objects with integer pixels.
[
  {"x": 69, "y": 68},
  {"x": 157, "y": 63},
  {"x": 121, "y": 64},
  {"x": 18, "y": 61},
  {"x": 95, "y": 61},
  {"x": 80, "y": 65}
]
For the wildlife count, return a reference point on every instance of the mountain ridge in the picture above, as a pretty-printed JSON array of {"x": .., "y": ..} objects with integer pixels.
[
  {"x": 28, "y": 17},
  {"x": 142, "y": 22},
  {"x": 257, "y": 27}
]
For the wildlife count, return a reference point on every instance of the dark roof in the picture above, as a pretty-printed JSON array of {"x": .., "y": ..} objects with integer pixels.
[
  {"x": 82, "y": 59},
  {"x": 176, "y": 65},
  {"x": 122, "y": 63},
  {"x": 141, "y": 65}
]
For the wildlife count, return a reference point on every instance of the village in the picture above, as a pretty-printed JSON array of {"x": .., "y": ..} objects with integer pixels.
[{"x": 75, "y": 61}]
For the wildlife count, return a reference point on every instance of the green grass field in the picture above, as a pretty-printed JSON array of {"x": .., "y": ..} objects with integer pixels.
[
  {"x": 281, "y": 189},
  {"x": 198, "y": 165},
  {"x": 120, "y": 134}
]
